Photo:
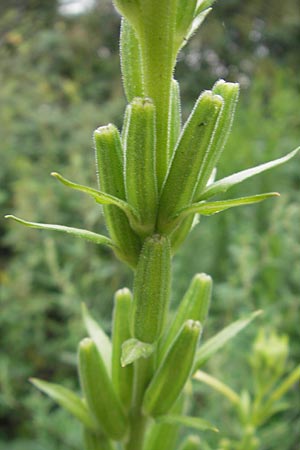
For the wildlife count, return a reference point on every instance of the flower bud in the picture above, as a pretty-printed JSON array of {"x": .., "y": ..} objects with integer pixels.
[
  {"x": 122, "y": 377},
  {"x": 151, "y": 290},
  {"x": 99, "y": 392},
  {"x": 230, "y": 93},
  {"x": 140, "y": 173},
  {"x": 109, "y": 160},
  {"x": 174, "y": 371},
  {"x": 181, "y": 182},
  {"x": 194, "y": 306}
]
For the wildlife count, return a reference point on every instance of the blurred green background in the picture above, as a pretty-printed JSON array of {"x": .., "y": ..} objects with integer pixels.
[{"x": 59, "y": 80}]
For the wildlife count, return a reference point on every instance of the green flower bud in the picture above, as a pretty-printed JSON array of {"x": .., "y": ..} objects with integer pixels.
[
  {"x": 181, "y": 182},
  {"x": 109, "y": 160},
  {"x": 122, "y": 377},
  {"x": 174, "y": 371},
  {"x": 99, "y": 392},
  {"x": 230, "y": 93},
  {"x": 194, "y": 306},
  {"x": 131, "y": 62},
  {"x": 151, "y": 289},
  {"x": 140, "y": 175}
]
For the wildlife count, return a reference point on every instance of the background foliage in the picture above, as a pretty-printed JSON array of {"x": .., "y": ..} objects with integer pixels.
[{"x": 60, "y": 79}]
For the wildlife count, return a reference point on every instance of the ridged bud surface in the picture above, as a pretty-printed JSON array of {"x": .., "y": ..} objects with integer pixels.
[
  {"x": 174, "y": 371},
  {"x": 151, "y": 290},
  {"x": 99, "y": 392}
]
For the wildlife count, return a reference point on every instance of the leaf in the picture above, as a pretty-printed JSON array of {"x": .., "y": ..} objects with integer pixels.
[
  {"x": 217, "y": 385},
  {"x": 67, "y": 400},
  {"x": 77, "y": 232},
  {"x": 100, "y": 197},
  {"x": 210, "y": 208},
  {"x": 198, "y": 20},
  {"x": 187, "y": 421},
  {"x": 133, "y": 349},
  {"x": 100, "y": 338},
  {"x": 220, "y": 339},
  {"x": 226, "y": 183}
]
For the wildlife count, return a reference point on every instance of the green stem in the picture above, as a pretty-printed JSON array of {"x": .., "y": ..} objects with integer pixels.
[
  {"x": 157, "y": 47},
  {"x": 138, "y": 421}
]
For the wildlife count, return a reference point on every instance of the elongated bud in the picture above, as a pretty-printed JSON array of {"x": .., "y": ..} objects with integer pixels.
[
  {"x": 174, "y": 371},
  {"x": 183, "y": 175},
  {"x": 194, "y": 306},
  {"x": 151, "y": 290},
  {"x": 230, "y": 93},
  {"x": 191, "y": 442},
  {"x": 175, "y": 117},
  {"x": 109, "y": 160},
  {"x": 131, "y": 62},
  {"x": 122, "y": 377},
  {"x": 98, "y": 391},
  {"x": 140, "y": 175}
]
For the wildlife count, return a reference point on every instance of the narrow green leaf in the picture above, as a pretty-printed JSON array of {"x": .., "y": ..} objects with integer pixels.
[
  {"x": 217, "y": 385},
  {"x": 67, "y": 400},
  {"x": 122, "y": 377},
  {"x": 195, "y": 423},
  {"x": 100, "y": 338},
  {"x": 210, "y": 208},
  {"x": 131, "y": 63},
  {"x": 226, "y": 183},
  {"x": 197, "y": 22},
  {"x": 77, "y": 232},
  {"x": 286, "y": 384},
  {"x": 133, "y": 349},
  {"x": 220, "y": 339},
  {"x": 185, "y": 15},
  {"x": 100, "y": 197}
]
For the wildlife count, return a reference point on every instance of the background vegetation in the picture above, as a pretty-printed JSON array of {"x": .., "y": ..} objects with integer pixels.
[{"x": 60, "y": 79}]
